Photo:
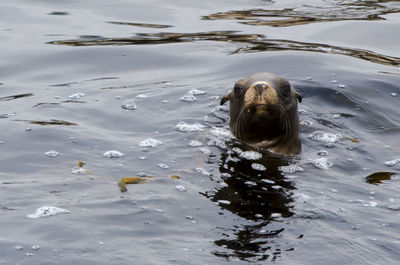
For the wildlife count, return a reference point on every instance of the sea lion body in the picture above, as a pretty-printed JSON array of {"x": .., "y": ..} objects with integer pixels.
[{"x": 263, "y": 113}]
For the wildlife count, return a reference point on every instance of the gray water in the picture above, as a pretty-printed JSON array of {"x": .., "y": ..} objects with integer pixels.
[{"x": 336, "y": 203}]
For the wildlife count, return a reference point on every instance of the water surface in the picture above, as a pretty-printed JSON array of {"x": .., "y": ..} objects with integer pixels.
[{"x": 67, "y": 68}]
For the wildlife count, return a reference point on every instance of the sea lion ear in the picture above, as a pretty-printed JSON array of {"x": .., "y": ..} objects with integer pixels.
[
  {"x": 299, "y": 97},
  {"x": 225, "y": 99}
]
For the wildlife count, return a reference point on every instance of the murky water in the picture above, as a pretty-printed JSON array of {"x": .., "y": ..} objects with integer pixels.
[{"x": 132, "y": 89}]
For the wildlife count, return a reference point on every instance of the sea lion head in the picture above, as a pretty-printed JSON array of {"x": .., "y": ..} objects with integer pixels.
[{"x": 263, "y": 113}]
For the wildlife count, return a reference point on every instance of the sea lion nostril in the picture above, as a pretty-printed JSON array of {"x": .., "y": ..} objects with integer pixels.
[{"x": 259, "y": 88}]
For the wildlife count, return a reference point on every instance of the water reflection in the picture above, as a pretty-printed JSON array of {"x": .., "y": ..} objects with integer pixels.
[
  {"x": 50, "y": 122},
  {"x": 251, "y": 42},
  {"x": 143, "y": 25},
  {"x": 160, "y": 38},
  {"x": 258, "y": 196},
  {"x": 16, "y": 96},
  {"x": 306, "y": 14}
]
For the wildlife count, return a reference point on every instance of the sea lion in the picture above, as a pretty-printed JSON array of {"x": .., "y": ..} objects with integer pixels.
[{"x": 263, "y": 113}]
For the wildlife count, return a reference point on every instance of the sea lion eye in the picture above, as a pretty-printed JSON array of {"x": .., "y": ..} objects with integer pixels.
[
  {"x": 285, "y": 89},
  {"x": 238, "y": 91}
]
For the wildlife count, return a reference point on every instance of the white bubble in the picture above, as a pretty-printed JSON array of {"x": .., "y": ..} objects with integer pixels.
[
  {"x": 276, "y": 215},
  {"x": 217, "y": 142},
  {"x": 196, "y": 92},
  {"x": 35, "y": 247},
  {"x": 205, "y": 151},
  {"x": 76, "y": 96},
  {"x": 220, "y": 132},
  {"x": 80, "y": 170},
  {"x": 324, "y": 137},
  {"x": 373, "y": 204},
  {"x": 164, "y": 166},
  {"x": 290, "y": 169},
  {"x": 392, "y": 162},
  {"x": 46, "y": 211},
  {"x": 303, "y": 197},
  {"x": 113, "y": 154},
  {"x": 251, "y": 155},
  {"x": 204, "y": 171},
  {"x": 52, "y": 153},
  {"x": 150, "y": 142},
  {"x": 306, "y": 123},
  {"x": 141, "y": 96},
  {"x": 250, "y": 183},
  {"x": 129, "y": 104},
  {"x": 394, "y": 94},
  {"x": 322, "y": 163},
  {"x": 257, "y": 166},
  {"x": 322, "y": 153},
  {"x": 188, "y": 98},
  {"x": 341, "y": 86},
  {"x": 195, "y": 143},
  {"x": 226, "y": 202},
  {"x": 180, "y": 188},
  {"x": 185, "y": 127},
  {"x": 268, "y": 181}
]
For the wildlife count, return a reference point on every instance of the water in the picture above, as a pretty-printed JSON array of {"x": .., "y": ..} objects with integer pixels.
[{"x": 67, "y": 68}]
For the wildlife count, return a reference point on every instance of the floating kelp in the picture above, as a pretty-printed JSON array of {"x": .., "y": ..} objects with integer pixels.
[
  {"x": 134, "y": 180},
  {"x": 378, "y": 177}
]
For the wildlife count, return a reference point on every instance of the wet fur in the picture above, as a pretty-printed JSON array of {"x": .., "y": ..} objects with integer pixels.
[{"x": 263, "y": 113}]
